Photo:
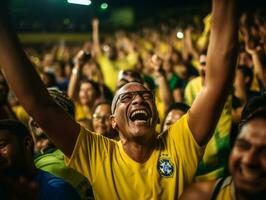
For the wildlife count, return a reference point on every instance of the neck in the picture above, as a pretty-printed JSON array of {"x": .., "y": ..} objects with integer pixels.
[{"x": 139, "y": 151}]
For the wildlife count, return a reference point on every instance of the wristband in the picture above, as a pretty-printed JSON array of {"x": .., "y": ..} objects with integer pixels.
[{"x": 75, "y": 71}]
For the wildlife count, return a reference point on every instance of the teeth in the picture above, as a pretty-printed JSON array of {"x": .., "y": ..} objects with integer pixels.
[{"x": 139, "y": 112}]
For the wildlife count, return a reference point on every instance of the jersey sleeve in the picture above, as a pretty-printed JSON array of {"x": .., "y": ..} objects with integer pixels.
[
  {"x": 188, "y": 152},
  {"x": 89, "y": 153}
]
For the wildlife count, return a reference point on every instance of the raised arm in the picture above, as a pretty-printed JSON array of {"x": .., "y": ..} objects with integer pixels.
[
  {"x": 221, "y": 62},
  {"x": 189, "y": 44},
  {"x": 31, "y": 92},
  {"x": 256, "y": 54},
  {"x": 95, "y": 37},
  {"x": 72, "y": 90}
]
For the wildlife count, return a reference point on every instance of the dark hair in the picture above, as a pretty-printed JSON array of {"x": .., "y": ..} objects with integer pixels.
[
  {"x": 259, "y": 113},
  {"x": 253, "y": 109},
  {"x": 94, "y": 84},
  {"x": 129, "y": 72},
  {"x": 101, "y": 102},
  {"x": 247, "y": 72},
  {"x": 204, "y": 52},
  {"x": 15, "y": 127},
  {"x": 175, "y": 106},
  {"x": 252, "y": 105},
  {"x": 51, "y": 79},
  {"x": 106, "y": 92}
]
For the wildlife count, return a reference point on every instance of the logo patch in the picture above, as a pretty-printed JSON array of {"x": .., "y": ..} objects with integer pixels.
[{"x": 165, "y": 167}]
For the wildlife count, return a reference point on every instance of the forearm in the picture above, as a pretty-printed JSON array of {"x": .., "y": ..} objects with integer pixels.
[
  {"x": 164, "y": 91},
  {"x": 72, "y": 90},
  {"x": 95, "y": 37},
  {"x": 18, "y": 69},
  {"x": 191, "y": 48},
  {"x": 221, "y": 64},
  {"x": 32, "y": 94},
  {"x": 222, "y": 50}
]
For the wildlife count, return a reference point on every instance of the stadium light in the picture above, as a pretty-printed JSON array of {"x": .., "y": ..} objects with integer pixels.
[
  {"x": 80, "y": 2},
  {"x": 104, "y": 6},
  {"x": 180, "y": 35}
]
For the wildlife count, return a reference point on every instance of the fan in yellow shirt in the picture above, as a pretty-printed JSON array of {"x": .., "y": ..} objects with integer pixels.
[
  {"x": 169, "y": 168},
  {"x": 246, "y": 162},
  {"x": 214, "y": 162},
  {"x": 134, "y": 115}
]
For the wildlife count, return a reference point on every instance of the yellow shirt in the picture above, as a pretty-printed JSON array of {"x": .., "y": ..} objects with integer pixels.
[
  {"x": 204, "y": 38},
  {"x": 217, "y": 150},
  {"x": 80, "y": 113},
  {"x": 21, "y": 114},
  {"x": 192, "y": 90},
  {"x": 114, "y": 175},
  {"x": 110, "y": 69},
  {"x": 227, "y": 190}
]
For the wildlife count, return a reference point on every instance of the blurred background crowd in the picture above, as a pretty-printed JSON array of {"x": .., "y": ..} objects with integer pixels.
[{"x": 90, "y": 51}]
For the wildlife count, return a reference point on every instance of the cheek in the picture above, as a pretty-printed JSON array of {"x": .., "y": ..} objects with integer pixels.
[
  {"x": 81, "y": 93},
  {"x": 234, "y": 159}
]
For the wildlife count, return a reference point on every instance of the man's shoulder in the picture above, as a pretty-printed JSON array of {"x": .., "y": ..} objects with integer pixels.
[
  {"x": 46, "y": 179},
  {"x": 49, "y": 158}
]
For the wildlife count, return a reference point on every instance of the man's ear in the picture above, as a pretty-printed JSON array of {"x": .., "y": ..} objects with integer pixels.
[{"x": 113, "y": 122}]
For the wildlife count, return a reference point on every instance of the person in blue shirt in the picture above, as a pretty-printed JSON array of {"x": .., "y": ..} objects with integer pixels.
[{"x": 17, "y": 166}]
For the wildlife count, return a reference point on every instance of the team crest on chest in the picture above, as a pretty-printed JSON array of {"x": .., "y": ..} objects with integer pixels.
[{"x": 165, "y": 167}]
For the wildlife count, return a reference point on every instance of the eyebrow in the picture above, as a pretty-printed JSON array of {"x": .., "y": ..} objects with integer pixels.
[{"x": 247, "y": 141}]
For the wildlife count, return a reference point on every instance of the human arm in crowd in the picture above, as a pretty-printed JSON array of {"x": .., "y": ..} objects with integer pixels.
[
  {"x": 256, "y": 53},
  {"x": 160, "y": 76},
  {"x": 189, "y": 44},
  {"x": 221, "y": 57},
  {"x": 31, "y": 92},
  {"x": 72, "y": 90},
  {"x": 95, "y": 38}
]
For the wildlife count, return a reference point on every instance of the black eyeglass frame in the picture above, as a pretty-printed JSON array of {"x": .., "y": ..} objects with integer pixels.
[{"x": 134, "y": 94}]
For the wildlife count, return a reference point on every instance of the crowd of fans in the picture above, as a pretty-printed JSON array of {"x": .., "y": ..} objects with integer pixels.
[{"x": 91, "y": 82}]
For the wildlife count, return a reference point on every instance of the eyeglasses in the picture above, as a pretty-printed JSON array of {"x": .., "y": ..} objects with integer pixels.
[
  {"x": 99, "y": 117},
  {"x": 128, "y": 97}
]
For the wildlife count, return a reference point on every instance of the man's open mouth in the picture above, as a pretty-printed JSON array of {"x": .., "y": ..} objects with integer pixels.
[{"x": 140, "y": 115}]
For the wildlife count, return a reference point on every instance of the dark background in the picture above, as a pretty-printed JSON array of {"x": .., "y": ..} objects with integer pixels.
[{"x": 59, "y": 16}]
